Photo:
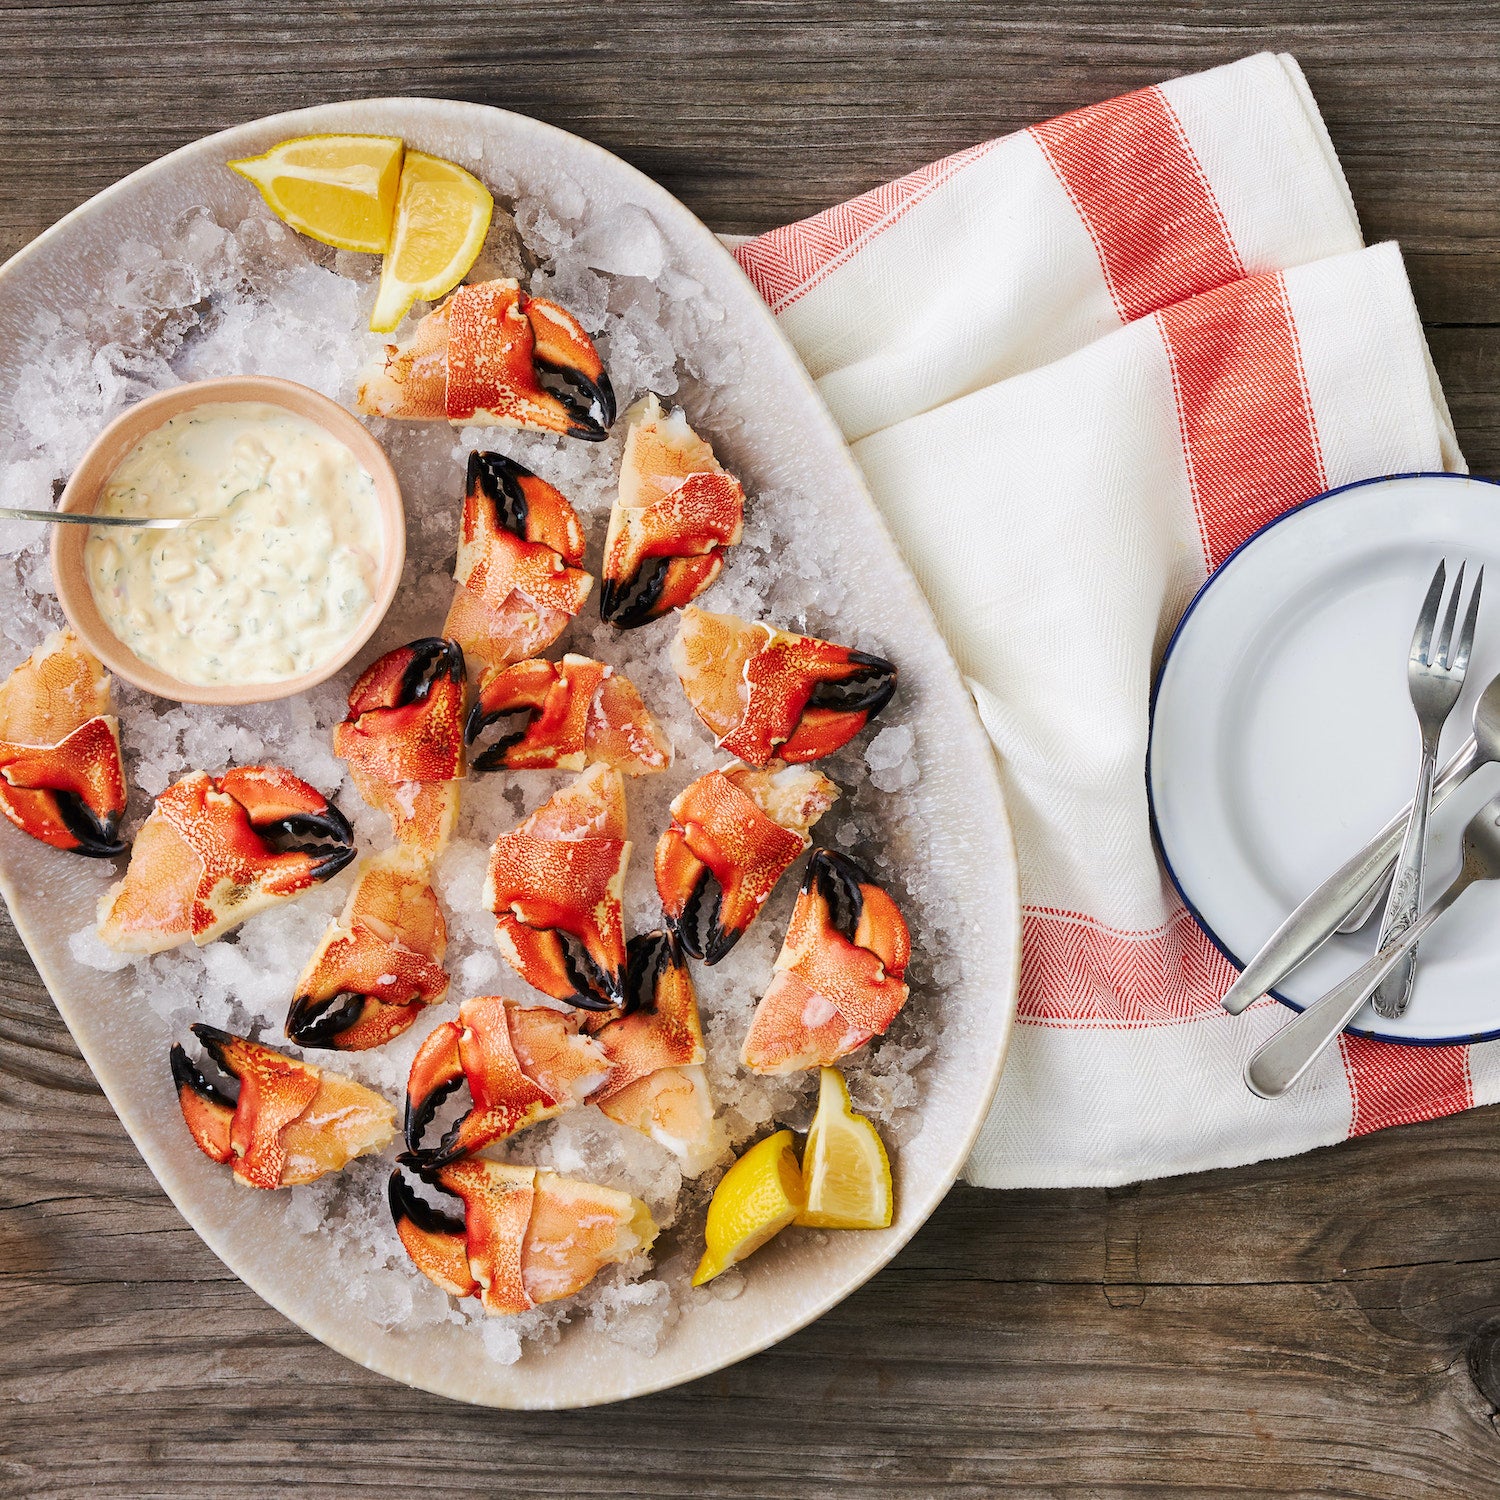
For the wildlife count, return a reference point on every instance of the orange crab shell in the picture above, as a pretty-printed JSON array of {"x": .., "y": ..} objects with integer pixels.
[
  {"x": 582, "y": 712},
  {"x": 385, "y": 951},
  {"x": 539, "y": 887},
  {"x": 399, "y": 731},
  {"x": 285, "y": 1109},
  {"x": 403, "y": 739},
  {"x": 496, "y": 337},
  {"x": 831, "y": 992},
  {"x": 475, "y": 358},
  {"x": 688, "y": 530},
  {"x": 200, "y": 865},
  {"x": 562, "y": 871},
  {"x": 527, "y": 1236},
  {"x": 62, "y": 779},
  {"x": 717, "y": 826},
  {"x": 522, "y": 1064},
  {"x": 518, "y": 574},
  {"x": 766, "y": 693},
  {"x": 85, "y": 765},
  {"x": 664, "y": 1032}
]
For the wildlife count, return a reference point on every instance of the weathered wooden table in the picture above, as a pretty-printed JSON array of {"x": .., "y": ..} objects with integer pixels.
[{"x": 1329, "y": 1324}]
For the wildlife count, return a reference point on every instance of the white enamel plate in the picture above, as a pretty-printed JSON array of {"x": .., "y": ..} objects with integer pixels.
[
  {"x": 778, "y": 436},
  {"x": 1283, "y": 736}
]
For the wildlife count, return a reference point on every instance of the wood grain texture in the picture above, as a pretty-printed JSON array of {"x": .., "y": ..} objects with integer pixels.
[{"x": 1329, "y": 1324}]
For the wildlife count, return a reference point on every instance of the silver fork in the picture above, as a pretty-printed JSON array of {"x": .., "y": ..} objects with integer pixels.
[{"x": 1434, "y": 677}]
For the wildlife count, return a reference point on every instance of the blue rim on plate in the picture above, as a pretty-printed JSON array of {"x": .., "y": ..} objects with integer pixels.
[{"x": 1187, "y": 614}]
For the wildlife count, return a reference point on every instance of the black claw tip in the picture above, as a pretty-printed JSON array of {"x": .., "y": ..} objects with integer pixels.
[
  {"x": 320, "y": 1023},
  {"x": 405, "y": 1204},
  {"x": 837, "y": 879},
  {"x": 98, "y": 838},
  {"x": 627, "y": 603}
]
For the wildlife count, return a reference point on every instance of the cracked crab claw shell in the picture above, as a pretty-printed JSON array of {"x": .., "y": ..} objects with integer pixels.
[
  {"x": 734, "y": 833},
  {"x": 61, "y": 776},
  {"x": 564, "y": 716},
  {"x": 677, "y": 511},
  {"x": 555, "y": 885},
  {"x": 517, "y": 1236},
  {"x": 767, "y": 694},
  {"x": 839, "y": 977},
  {"x": 481, "y": 357},
  {"x": 202, "y": 863},
  {"x": 404, "y": 742},
  {"x": 657, "y": 1084},
  {"x": 378, "y": 964},
  {"x": 521, "y": 1063},
  {"x": 289, "y": 1122},
  {"x": 520, "y": 546}
]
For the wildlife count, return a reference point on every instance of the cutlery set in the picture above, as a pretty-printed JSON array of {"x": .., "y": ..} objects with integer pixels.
[{"x": 1436, "y": 668}]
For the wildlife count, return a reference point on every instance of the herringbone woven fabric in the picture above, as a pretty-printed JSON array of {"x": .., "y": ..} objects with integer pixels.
[{"x": 1079, "y": 365}]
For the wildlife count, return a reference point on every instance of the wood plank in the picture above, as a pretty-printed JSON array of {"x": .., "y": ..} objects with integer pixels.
[{"x": 1329, "y": 1323}]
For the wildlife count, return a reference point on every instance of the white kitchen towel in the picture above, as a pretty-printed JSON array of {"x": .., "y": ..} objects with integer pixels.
[{"x": 1078, "y": 366}]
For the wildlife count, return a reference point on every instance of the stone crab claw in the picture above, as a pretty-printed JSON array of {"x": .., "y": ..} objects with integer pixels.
[
  {"x": 520, "y": 546},
  {"x": 404, "y": 741},
  {"x": 203, "y": 861},
  {"x": 482, "y": 357},
  {"x": 61, "y": 776},
  {"x": 656, "y": 1081},
  {"x": 839, "y": 976},
  {"x": 378, "y": 964},
  {"x": 734, "y": 834},
  {"x": 522, "y": 1064},
  {"x": 517, "y": 1236},
  {"x": 767, "y": 694},
  {"x": 564, "y": 716},
  {"x": 288, "y": 1122},
  {"x": 676, "y": 512},
  {"x": 555, "y": 884}
]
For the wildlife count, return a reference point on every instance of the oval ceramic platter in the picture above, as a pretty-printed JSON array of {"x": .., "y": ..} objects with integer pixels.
[{"x": 180, "y": 272}]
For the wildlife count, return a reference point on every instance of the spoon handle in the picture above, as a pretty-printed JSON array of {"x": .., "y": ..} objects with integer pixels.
[
  {"x": 1319, "y": 915},
  {"x": 82, "y": 518},
  {"x": 1289, "y": 1054}
]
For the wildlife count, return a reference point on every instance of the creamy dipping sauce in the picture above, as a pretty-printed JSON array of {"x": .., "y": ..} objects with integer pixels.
[{"x": 275, "y": 579}]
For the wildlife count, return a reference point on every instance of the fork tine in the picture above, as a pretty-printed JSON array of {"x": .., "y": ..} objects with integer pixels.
[
  {"x": 1421, "y": 637},
  {"x": 1466, "y": 635},
  {"x": 1450, "y": 617}
]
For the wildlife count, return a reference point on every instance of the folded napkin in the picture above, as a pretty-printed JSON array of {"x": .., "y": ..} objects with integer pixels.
[{"x": 1078, "y": 366}]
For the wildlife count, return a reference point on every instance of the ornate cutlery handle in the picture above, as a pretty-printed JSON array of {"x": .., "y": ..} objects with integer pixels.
[{"x": 1405, "y": 903}]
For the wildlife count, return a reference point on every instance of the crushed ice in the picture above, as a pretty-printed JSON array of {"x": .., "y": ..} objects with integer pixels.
[{"x": 216, "y": 299}]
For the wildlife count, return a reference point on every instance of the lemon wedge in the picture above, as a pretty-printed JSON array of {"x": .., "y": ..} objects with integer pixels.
[
  {"x": 340, "y": 189},
  {"x": 845, "y": 1171},
  {"x": 442, "y": 216},
  {"x": 758, "y": 1197}
]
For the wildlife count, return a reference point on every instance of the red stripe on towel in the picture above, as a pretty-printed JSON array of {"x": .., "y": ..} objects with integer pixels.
[
  {"x": 1140, "y": 190},
  {"x": 1392, "y": 1085},
  {"x": 1075, "y": 971},
  {"x": 1247, "y": 423},
  {"x": 789, "y": 262}
]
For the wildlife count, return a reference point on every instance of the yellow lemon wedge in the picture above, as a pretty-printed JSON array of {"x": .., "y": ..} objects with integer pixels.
[
  {"x": 845, "y": 1171},
  {"x": 442, "y": 216},
  {"x": 340, "y": 189},
  {"x": 757, "y": 1198}
]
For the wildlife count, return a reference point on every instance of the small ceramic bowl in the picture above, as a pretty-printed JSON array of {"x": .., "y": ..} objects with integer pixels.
[{"x": 103, "y": 457}]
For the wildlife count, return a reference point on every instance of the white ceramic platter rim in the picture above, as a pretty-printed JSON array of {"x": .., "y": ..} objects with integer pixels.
[
  {"x": 981, "y": 853},
  {"x": 1158, "y": 759}
]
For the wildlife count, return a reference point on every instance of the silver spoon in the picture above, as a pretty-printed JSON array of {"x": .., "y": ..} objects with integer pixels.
[
  {"x": 83, "y": 518},
  {"x": 1289, "y": 1054}
]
